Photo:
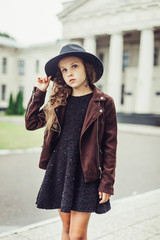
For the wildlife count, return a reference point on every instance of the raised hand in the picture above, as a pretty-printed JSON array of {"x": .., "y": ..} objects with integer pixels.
[{"x": 43, "y": 83}]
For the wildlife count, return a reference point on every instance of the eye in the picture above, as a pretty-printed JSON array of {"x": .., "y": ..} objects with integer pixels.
[
  {"x": 74, "y": 66},
  {"x": 64, "y": 70}
]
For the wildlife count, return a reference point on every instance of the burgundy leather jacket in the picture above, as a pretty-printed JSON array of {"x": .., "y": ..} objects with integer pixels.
[{"x": 98, "y": 140}]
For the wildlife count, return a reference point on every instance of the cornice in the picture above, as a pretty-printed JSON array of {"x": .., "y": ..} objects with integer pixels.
[
  {"x": 71, "y": 8},
  {"x": 5, "y": 43}
]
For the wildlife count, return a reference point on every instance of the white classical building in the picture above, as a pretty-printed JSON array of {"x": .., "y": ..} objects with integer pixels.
[
  {"x": 125, "y": 34},
  {"x": 20, "y": 66}
]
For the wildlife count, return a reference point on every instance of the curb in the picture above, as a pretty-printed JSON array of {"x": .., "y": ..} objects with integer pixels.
[
  {"x": 31, "y": 226},
  {"x": 19, "y": 151}
]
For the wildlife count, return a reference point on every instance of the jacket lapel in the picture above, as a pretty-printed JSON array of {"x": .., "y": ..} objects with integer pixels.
[{"x": 94, "y": 109}]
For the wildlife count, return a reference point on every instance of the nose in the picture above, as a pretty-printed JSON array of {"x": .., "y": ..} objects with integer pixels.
[{"x": 70, "y": 73}]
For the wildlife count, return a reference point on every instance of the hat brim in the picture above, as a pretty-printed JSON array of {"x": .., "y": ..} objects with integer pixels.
[{"x": 51, "y": 66}]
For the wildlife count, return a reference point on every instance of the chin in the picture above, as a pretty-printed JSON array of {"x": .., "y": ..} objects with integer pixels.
[{"x": 73, "y": 85}]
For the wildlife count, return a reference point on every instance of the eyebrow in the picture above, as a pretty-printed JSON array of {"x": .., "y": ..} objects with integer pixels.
[{"x": 70, "y": 64}]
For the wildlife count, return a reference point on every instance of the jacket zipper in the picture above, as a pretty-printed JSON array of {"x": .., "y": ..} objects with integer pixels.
[
  {"x": 58, "y": 124},
  {"x": 31, "y": 103},
  {"x": 100, "y": 169}
]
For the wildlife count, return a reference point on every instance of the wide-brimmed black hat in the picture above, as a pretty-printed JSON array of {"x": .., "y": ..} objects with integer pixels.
[{"x": 51, "y": 66}]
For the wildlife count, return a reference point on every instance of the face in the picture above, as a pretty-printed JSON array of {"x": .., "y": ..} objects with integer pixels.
[{"x": 73, "y": 71}]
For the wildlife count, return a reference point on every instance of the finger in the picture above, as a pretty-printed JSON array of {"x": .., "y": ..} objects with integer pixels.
[
  {"x": 104, "y": 198},
  {"x": 102, "y": 201},
  {"x": 108, "y": 196},
  {"x": 100, "y": 194},
  {"x": 39, "y": 80},
  {"x": 48, "y": 79}
]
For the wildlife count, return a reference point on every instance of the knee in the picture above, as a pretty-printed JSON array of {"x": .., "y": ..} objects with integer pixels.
[{"x": 77, "y": 236}]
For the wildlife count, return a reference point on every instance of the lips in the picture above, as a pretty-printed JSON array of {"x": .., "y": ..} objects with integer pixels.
[{"x": 71, "y": 80}]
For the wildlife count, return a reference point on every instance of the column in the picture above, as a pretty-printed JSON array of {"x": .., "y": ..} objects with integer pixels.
[
  {"x": 115, "y": 68},
  {"x": 90, "y": 44},
  {"x": 145, "y": 72}
]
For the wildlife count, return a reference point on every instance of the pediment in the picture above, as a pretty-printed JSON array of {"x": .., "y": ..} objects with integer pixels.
[{"x": 87, "y": 7}]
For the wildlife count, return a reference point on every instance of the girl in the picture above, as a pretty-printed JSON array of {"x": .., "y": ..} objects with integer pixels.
[{"x": 80, "y": 139}]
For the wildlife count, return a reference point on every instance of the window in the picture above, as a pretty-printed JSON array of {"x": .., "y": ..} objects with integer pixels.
[
  {"x": 126, "y": 58},
  {"x": 101, "y": 56},
  {"x": 122, "y": 93},
  {"x": 3, "y": 89},
  {"x": 37, "y": 66},
  {"x": 21, "y": 67},
  {"x": 156, "y": 56},
  {"x": 4, "y": 65}
]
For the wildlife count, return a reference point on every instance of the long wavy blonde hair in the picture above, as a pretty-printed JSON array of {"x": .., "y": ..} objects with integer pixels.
[{"x": 59, "y": 93}]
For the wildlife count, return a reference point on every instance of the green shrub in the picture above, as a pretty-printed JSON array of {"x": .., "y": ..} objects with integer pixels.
[
  {"x": 16, "y": 107},
  {"x": 19, "y": 104},
  {"x": 10, "y": 110}
]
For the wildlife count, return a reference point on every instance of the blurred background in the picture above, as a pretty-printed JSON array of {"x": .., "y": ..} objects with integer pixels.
[{"x": 125, "y": 35}]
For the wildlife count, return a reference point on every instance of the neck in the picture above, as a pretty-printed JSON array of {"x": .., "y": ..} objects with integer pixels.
[{"x": 81, "y": 92}]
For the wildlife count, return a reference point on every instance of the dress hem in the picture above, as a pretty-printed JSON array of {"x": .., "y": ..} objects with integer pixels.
[{"x": 68, "y": 211}]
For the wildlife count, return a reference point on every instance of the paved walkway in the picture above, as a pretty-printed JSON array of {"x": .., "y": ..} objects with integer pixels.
[
  {"x": 139, "y": 129},
  {"x": 136, "y": 217}
]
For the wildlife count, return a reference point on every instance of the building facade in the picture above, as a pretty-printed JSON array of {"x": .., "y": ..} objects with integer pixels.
[
  {"x": 20, "y": 66},
  {"x": 124, "y": 34}
]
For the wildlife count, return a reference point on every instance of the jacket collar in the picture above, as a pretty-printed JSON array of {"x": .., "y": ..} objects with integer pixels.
[{"x": 98, "y": 95}]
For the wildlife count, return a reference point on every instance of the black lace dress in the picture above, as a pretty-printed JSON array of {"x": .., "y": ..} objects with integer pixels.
[{"x": 63, "y": 185}]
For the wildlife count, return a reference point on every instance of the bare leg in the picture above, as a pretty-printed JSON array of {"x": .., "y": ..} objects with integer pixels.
[
  {"x": 65, "y": 217},
  {"x": 78, "y": 225}
]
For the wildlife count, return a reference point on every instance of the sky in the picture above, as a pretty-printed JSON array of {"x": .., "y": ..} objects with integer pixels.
[{"x": 31, "y": 21}]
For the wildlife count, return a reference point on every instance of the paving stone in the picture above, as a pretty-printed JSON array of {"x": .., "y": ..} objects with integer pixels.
[
  {"x": 150, "y": 225},
  {"x": 52, "y": 230},
  {"x": 128, "y": 233},
  {"x": 154, "y": 238}
]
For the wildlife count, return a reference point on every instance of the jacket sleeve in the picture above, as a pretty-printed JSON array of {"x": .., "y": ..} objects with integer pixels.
[
  {"x": 109, "y": 149},
  {"x": 34, "y": 117}
]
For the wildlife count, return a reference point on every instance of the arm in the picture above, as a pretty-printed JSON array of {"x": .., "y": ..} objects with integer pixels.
[
  {"x": 109, "y": 149},
  {"x": 35, "y": 118}
]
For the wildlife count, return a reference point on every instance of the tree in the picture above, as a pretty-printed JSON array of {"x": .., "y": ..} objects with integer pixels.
[
  {"x": 19, "y": 104},
  {"x": 10, "y": 109},
  {"x": 16, "y": 107}
]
